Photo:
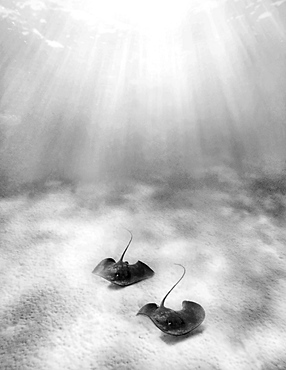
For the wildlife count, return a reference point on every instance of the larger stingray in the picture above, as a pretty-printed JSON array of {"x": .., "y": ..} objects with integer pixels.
[
  {"x": 175, "y": 322},
  {"x": 121, "y": 273}
]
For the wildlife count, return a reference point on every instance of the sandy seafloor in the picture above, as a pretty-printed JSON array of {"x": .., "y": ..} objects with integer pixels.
[{"x": 228, "y": 232}]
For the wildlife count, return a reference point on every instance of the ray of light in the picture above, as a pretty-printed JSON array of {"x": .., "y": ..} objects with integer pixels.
[{"x": 170, "y": 82}]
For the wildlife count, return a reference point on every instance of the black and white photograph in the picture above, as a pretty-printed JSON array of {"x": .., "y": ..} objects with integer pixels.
[{"x": 142, "y": 185}]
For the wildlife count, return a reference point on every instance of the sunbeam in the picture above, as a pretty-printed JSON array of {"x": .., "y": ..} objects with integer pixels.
[{"x": 164, "y": 85}]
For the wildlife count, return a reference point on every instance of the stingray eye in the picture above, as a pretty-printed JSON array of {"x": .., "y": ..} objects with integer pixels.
[
  {"x": 169, "y": 323},
  {"x": 117, "y": 276}
]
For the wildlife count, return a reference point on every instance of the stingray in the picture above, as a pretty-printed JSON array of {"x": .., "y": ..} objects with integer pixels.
[
  {"x": 175, "y": 322},
  {"x": 121, "y": 273}
]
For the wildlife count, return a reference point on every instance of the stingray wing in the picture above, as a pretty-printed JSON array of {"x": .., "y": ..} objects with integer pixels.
[
  {"x": 104, "y": 268},
  {"x": 175, "y": 322},
  {"x": 139, "y": 271},
  {"x": 148, "y": 309},
  {"x": 193, "y": 314}
]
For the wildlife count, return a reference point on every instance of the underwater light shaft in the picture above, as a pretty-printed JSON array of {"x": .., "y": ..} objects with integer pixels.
[{"x": 121, "y": 90}]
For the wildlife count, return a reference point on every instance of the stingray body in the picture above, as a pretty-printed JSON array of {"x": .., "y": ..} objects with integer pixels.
[
  {"x": 121, "y": 273},
  {"x": 175, "y": 322}
]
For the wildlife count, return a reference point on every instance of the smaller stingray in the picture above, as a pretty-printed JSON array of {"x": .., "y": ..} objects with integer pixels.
[
  {"x": 175, "y": 322},
  {"x": 121, "y": 273}
]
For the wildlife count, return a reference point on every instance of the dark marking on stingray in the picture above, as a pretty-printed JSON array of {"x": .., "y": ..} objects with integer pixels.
[
  {"x": 121, "y": 273},
  {"x": 175, "y": 322}
]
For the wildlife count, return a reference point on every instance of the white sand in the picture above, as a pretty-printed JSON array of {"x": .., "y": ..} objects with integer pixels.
[{"x": 55, "y": 314}]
